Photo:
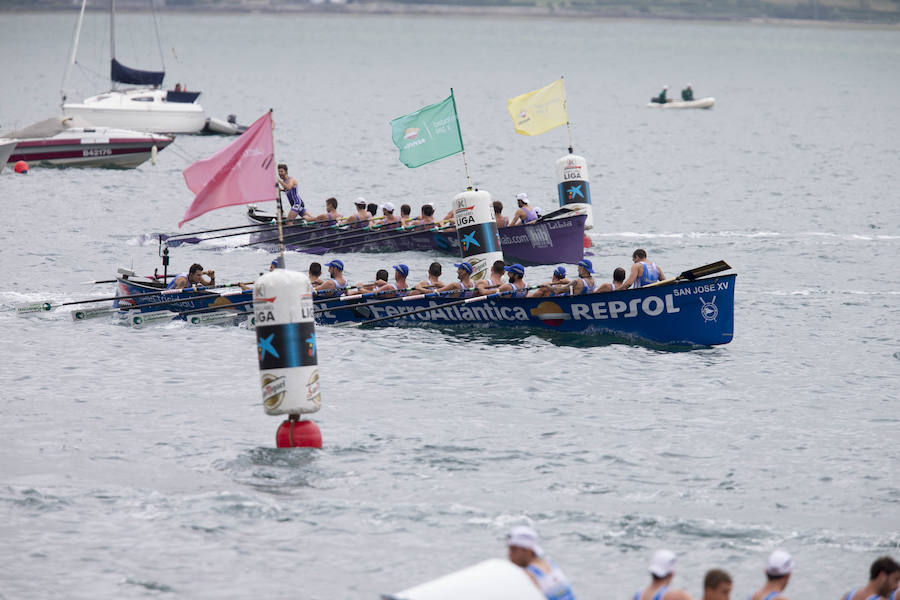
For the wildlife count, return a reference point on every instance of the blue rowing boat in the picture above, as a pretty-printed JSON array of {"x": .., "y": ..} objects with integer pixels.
[
  {"x": 681, "y": 313},
  {"x": 150, "y": 296}
]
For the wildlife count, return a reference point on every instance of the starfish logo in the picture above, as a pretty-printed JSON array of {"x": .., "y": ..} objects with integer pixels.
[
  {"x": 469, "y": 240},
  {"x": 575, "y": 190},
  {"x": 265, "y": 347},
  {"x": 311, "y": 341}
]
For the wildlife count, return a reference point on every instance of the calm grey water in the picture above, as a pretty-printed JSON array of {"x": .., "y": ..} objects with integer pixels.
[{"x": 138, "y": 463}]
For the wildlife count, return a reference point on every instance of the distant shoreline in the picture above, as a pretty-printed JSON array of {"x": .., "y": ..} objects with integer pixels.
[{"x": 878, "y": 20}]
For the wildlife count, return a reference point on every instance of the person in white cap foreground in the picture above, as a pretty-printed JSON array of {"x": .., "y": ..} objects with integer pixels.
[
  {"x": 662, "y": 571},
  {"x": 778, "y": 573},
  {"x": 525, "y": 214},
  {"x": 524, "y": 551}
]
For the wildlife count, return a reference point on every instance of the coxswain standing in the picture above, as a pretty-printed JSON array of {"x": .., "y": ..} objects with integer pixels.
[
  {"x": 289, "y": 185},
  {"x": 194, "y": 277}
]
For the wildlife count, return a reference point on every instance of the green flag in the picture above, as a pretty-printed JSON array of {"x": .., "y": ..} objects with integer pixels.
[{"x": 429, "y": 134}]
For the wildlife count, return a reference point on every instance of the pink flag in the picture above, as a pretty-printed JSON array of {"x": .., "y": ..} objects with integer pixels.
[{"x": 240, "y": 173}]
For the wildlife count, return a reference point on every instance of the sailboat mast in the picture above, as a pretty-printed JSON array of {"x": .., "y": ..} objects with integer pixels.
[
  {"x": 112, "y": 33},
  {"x": 65, "y": 83}
]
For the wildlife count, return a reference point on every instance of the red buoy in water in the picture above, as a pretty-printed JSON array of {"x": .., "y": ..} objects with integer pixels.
[
  {"x": 21, "y": 167},
  {"x": 296, "y": 433},
  {"x": 587, "y": 241}
]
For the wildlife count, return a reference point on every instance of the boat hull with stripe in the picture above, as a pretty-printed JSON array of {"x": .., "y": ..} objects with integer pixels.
[
  {"x": 546, "y": 242},
  {"x": 687, "y": 313},
  {"x": 177, "y": 300}
]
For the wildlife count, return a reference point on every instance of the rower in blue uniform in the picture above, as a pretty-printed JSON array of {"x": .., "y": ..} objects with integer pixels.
[
  {"x": 524, "y": 551},
  {"x": 585, "y": 283},
  {"x": 662, "y": 571},
  {"x": 778, "y": 574},
  {"x": 337, "y": 285},
  {"x": 516, "y": 287},
  {"x": 289, "y": 185},
  {"x": 194, "y": 276},
  {"x": 399, "y": 287},
  {"x": 884, "y": 575},
  {"x": 643, "y": 272},
  {"x": 464, "y": 288},
  {"x": 555, "y": 286}
]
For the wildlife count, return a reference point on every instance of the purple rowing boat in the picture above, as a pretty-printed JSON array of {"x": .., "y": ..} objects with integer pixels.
[{"x": 545, "y": 242}]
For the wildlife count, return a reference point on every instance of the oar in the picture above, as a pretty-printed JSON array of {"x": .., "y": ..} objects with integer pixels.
[
  {"x": 357, "y": 296},
  {"x": 82, "y": 314},
  {"x": 340, "y": 232},
  {"x": 400, "y": 298},
  {"x": 176, "y": 240},
  {"x": 432, "y": 308},
  {"x": 393, "y": 237},
  {"x": 162, "y": 315},
  {"x": 692, "y": 274},
  {"x": 45, "y": 305},
  {"x": 350, "y": 233}
]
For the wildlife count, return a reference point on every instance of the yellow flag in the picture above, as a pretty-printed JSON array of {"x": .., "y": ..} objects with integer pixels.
[{"x": 539, "y": 111}]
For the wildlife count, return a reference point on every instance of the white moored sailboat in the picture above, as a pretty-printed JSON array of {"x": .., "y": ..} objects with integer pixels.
[{"x": 143, "y": 108}]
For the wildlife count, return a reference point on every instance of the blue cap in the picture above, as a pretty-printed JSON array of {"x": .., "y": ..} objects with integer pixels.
[
  {"x": 275, "y": 263},
  {"x": 560, "y": 271},
  {"x": 464, "y": 266},
  {"x": 586, "y": 264},
  {"x": 402, "y": 269},
  {"x": 516, "y": 268},
  {"x": 337, "y": 264}
]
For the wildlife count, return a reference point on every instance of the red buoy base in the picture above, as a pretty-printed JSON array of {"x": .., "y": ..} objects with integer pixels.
[
  {"x": 587, "y": 241},
  {"x": 21, "y": 167},
  {"x": 296, "y": 433}
]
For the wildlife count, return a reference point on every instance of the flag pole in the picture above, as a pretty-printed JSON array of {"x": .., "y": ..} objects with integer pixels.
[
  {"x": 568, "y": 125},
  {"x": 279, "y": 209},
  {"x": 459, "y": 132}
]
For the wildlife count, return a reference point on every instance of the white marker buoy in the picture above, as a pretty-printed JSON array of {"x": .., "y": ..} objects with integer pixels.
[
  {"x": 288, "y": 356},
  {"x": 574, "y": 185},
  {"x": 476, "y": 228}
]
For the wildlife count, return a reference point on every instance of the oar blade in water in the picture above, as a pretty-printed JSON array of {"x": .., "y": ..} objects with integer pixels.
[
  {"x": 33, "y": 307},
  {"x": 83, "y": 314}
]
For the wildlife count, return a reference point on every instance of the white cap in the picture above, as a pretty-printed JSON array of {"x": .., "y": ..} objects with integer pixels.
[
  {"x": 523, "y": 197},
  {"x": 388, "y": 206},
  {"x": 663, "y": 563},
  {"x": 780, "y": 563},
  {"x": 360, "y": 200},
  {"x": 538, "y": 211},
  {"x": 523, "y": 536}
]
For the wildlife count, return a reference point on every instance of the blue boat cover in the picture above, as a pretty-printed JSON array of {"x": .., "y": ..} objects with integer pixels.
[
  {"x": 122, "y": 74},
  {"x": 185, "y": 97}
]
